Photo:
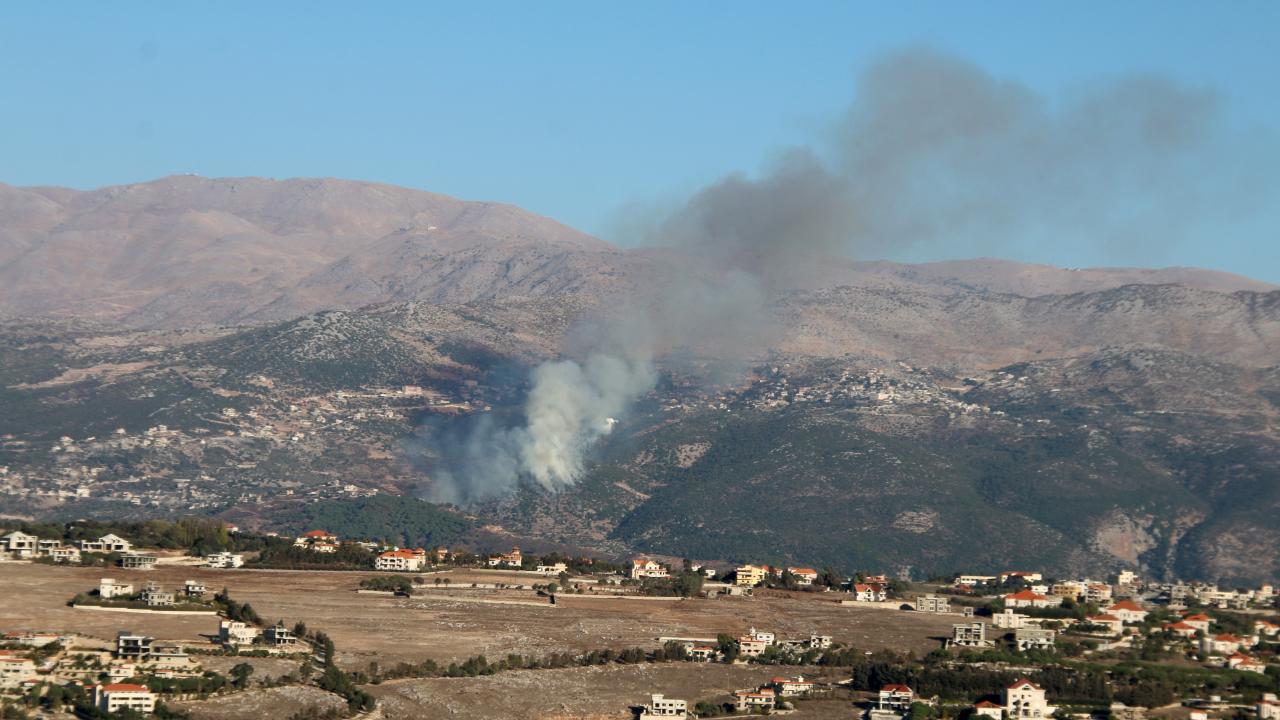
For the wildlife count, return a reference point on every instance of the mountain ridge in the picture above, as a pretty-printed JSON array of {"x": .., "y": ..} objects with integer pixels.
[{"x": 186, "y": 250}]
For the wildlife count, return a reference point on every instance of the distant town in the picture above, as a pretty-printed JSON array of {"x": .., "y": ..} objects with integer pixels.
[{"x": 1004, "y": 645}]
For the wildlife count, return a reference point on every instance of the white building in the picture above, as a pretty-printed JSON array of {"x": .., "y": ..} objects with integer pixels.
[
  {"x": 108, "y": 588},
  {"x": 224, "y": 560},
  {"x": 1008, "y": 619},
  {"x": 19, "y": 544},
  {"x": 124, "y": 696},
  {"x": 15, "y": 670},
  {"x": 401, "y": 560},
  {"x": 154, "y": 596},
  {"x": 137, "y": 561},
  {"x": 105, "y": 544},
  {"x": 1268, "y": 708},
  {"x": 868, "y": 593},
  {"x": 234, "y": 632},
  {"x": 1028, "y": 638},
  {"x": 895, "y": 697},
  {"x": 64, "y": 554},
  {"x": 791, "y": 687},
  {"x": 665, "y": 707},
  {"x": 749, "y": 700},
  {"x": 1128, "y": 611},
  {"x": 1025, "y": 699},
  {"x": 643, "y": 567},
  {"x": 553, "y": 569},
  {"x": 1221, "y": 644}
]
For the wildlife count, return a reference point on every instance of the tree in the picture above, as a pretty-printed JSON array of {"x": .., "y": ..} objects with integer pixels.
[{"x": 240, "y": 675}]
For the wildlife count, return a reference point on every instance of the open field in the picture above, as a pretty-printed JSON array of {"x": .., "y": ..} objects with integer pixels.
[
  {"x": 263, "y": 704},
  {"x": 580, "y": 693},
  {"x": 448, "y": 625}
]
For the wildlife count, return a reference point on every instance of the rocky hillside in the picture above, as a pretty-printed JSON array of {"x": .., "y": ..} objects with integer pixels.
[{"x": 240, "y": 347}]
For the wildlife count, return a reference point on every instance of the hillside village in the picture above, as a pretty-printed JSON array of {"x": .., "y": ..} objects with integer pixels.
[{"x": 1021, "y": 625}]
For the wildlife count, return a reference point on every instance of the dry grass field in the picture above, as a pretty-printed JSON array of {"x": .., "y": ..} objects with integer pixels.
[
  {"x": 269, "y": 704},
  {"x": 453, "y": 624},
  {"x": 580, "y": 693}
]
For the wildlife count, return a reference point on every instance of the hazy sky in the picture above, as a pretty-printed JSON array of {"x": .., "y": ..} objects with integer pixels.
[{"x": 581, "y": 110}]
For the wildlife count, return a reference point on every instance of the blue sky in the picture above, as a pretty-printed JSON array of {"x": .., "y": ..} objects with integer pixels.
[{"x": 573, "y": 110}]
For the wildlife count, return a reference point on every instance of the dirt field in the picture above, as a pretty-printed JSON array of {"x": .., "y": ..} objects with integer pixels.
[
  {"x": 449, "y": 625},
  {"x": 579, "y": 693},
  {"x": 272, "y": 704}
]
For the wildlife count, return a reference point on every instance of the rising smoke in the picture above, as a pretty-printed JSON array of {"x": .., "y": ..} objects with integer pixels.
[{"x": 933, "y": 152}]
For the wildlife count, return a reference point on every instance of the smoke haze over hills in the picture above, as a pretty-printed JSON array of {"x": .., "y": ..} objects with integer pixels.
[{"x": 933, "y": 152}]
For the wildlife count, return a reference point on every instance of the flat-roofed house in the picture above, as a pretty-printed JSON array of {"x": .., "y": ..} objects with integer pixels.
[{"x": 114, "y": 697}]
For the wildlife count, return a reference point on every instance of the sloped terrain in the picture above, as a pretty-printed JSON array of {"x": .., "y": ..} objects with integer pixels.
[{"x": 914, "y": 418}]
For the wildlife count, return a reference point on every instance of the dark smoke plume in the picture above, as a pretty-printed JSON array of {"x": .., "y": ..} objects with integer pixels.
[{"x": 932, "y": 152}]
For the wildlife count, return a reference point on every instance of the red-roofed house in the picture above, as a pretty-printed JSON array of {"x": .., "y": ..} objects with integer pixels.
[
  {"x": 115, "y": 697},
  {"x": 803, "y": 575},
  {"x": 318, "y": 540},
  {"x": 1113, "y": 624},
  {"x": 402, "y": 560},
  {"x": 895, "y": 697},
  {"x": 1128, "y": 611},
  {"x": 1265, "y": 627},
  {"x": 1182, "y": 629},
  {"x": 748, "y": 700},
  {"x": 1223, "y": 644},
  {"x": 1199, "y": 621},
  {"x": 791, "y": 687},
  {"x": 868, "y": 593},
  {"x": 1026, "y": 598},
  {"x": 1027, "y": 577},
  {"x": 643, "y": 567},
  {"x": 986, "y": 708},
  {"x": 1025, "y": 699},
  {"x": 512, "y": 559},
  {"x": 1240, "y": 661}
]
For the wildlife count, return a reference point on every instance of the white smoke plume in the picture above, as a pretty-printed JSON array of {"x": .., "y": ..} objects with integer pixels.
[
  {"x": 934, "y": 152},
  {"x": 573, "y": 405}
]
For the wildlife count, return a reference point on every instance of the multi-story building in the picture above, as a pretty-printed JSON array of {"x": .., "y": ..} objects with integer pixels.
[
  {"x": 115, "y": 697},
  {"x": 1025, "y": 699},
  {"x": 643, "y": 567},
  {"x": 972, "y": 634},
  {"x": 933, "y": 604},
  {"x": 803, "y": 575},
  {"x": 19, "y": 544},
  {"x": 895, "y": 697},
  {"x": 1028, "y": 638},
  {"x": 108, "y": 588},
  {"x": 235, "y": 633},
  {"x": 137, "y": 561},
  {"x": 750, "y": 575},
  {"x": 106, "y": 544},
  {"x": 224, "y": 560},
  {"x": 402, "y": 560},
  {"x": 15, "y": 670},
  {"x": 511, "y": 559},
  {"x": 131, "y": 646},
  {"x": 279, "y": 636},
  {"x": 155, "y": 596},
  {"x": 660, "y": 706},
  {"x": 752, "y": 700}
]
